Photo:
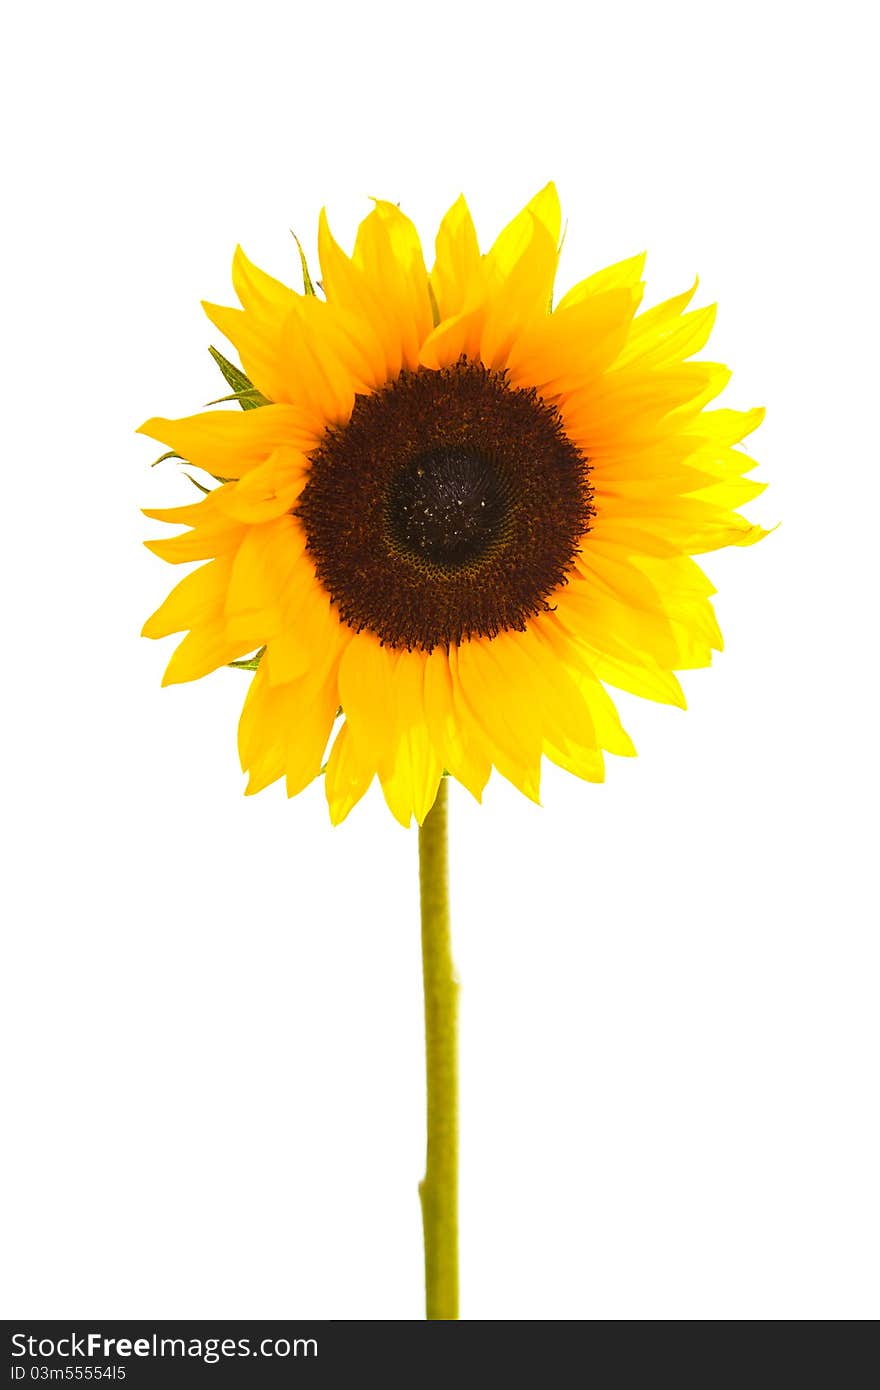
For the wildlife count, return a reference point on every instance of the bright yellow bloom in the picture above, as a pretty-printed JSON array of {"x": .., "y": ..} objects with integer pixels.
[{"x": 455, "y": 516}]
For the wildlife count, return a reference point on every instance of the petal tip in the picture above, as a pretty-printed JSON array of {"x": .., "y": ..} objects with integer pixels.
[{"x": 152, "y": 427}]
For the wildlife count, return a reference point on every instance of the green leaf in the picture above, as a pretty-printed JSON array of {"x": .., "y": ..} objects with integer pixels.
[
  {"x": 250, "y": 663},
  {"x": 244, "y": 390},
  {"x": 308, "y": 287}
]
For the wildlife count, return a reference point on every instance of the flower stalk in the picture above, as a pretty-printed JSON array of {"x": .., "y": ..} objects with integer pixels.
[{"x": 438, "y": 1189}]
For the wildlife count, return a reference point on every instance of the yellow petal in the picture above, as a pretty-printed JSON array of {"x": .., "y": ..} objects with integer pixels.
[
  {"x": 726, "y": 427},
  {"x": 621, "y": 666},
  {"x": 683, "y": 523},
  {"x": 620, "y": 629},
  {"x": 260, "y": 294},
  {"x": 269, "y": 490},
  {"x": 226, "y": 443},
  {"x": 347, "y": 777},
  {"x": 669, "y": 338},
  {"x": 561, "y": 351},
  {"x": 515, "y": 240},
  {"x": 499, "y": 718},
  {"x": 523, "y": 295},
  {"x": 263, "y": 572},
  {"x": 671, "y": 588},
  {"x": 350, "y": 289},
  {"x": 381, "y": 693},
  {"x": 258, "y": 343},
  {"x": 454, "y": 338},
  {"x": 584, "y": 717},
  {"x": 205, "y": 649},
  {"x": 310, "y": 637},
  {"x": 625, "y": 275},
  {"x": 457, "y": 263},
  {"x": 284, "y": 730},
  {"x": 210, "y": 506},
  {"x": 459, "y": 752},
  {"x": 366, "y": 696},
  {"x": 411, "y": 777},
  {"x": 651, "y": 322},
  {"x": 213, "y": 533},
  {"x": 325, "y": 386},
  {"x": 198, "y": 598},
  {"x": 388, "y": 250}
]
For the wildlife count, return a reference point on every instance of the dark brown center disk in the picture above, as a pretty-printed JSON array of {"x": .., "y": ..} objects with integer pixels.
[{"x": 450, "y": 505}]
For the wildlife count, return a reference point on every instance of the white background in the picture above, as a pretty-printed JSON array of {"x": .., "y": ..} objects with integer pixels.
[{"x": 213, "y": 1050}]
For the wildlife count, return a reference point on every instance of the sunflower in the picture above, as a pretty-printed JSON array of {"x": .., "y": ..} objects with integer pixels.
[{"x": 451, "y": 514}]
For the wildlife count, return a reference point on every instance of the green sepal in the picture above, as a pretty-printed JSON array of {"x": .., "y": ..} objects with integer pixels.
[
  {"x": 250, "y": 663},
  {"x": 435, "y": 308},
  {"x": 248, "y": 400},
  {"x": 308, "y": 287},
  {"x": 170, "y": 455},
  {"x": 324, "y": 766},
  {"x": 243, "y": 388},
  {"x": 195, "y": 482}
]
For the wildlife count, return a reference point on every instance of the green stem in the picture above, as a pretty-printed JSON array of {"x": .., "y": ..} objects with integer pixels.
[{"x": 439, "y": 1187}]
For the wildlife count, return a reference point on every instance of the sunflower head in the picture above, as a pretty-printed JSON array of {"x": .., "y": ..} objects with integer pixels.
[{"x": 449, "y": 514}]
